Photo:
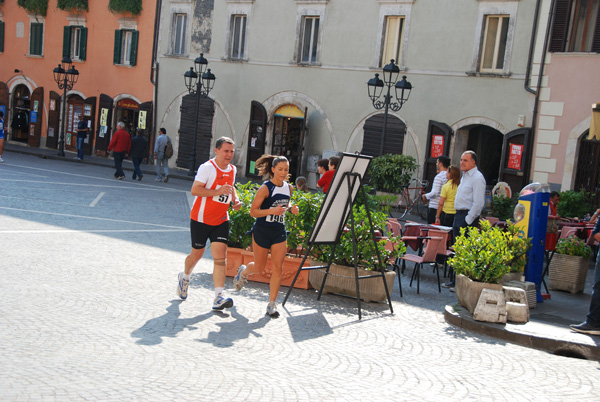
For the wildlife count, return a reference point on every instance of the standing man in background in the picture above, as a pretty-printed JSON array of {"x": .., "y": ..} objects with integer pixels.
[
  {"x": 139, "y": 151},
  {"x": 1, "y": 135},
  {"x": 82, "y": 130},
  {"x": 121, "y": 143},
  {"x": 159, "y": 154},
  {"x": 436, "y": 189}
]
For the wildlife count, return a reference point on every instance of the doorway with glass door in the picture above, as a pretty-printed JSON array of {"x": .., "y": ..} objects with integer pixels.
[{"x": 288, "y": 136}]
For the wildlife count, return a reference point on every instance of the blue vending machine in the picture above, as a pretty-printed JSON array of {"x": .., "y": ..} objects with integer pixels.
[{"x": 531, "y": 218}]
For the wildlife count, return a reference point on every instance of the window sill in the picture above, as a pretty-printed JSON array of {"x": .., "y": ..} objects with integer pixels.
[
  {"x": 235, "y": 60},
  {"x": 177, "y": 56},
  {"x": 487, "y": 74},
  {"x": 36, "y": 56},
  {"x": 304, "y": 64}
]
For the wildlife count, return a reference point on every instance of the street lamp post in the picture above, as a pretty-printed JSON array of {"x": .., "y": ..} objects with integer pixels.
[
  {"x": 65, "y": 77},
  {"x": 199, "y": 82},
  {"x": 402, "y": 92}
]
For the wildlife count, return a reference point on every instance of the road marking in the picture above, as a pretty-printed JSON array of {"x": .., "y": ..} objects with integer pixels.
[
  {"x": 93, "y": 204},
  {"x": 92, "y": 218}
]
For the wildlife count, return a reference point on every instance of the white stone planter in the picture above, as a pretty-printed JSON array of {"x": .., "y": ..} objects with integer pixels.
[{"x": 468, "y": 291}]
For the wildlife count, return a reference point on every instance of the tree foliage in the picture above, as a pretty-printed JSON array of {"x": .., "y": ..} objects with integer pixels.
[
  {"x": 38, "y": 7},
  {"x": 79, "y": 5},
  {"x": 123, "y": 6}
]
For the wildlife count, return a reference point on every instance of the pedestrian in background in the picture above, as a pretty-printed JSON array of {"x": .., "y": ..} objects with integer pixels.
[
  {"x": 209, "y": 220},
  {"x": 301, "y": 183},
  {"x": 121, "y": 143},
  {"x": 445, "y": 212},
  {"x": 470, "y": 198},
  {"x": 139, "y": 152},
  {"x": 82, "y": 131},
  {"x": 271, "y": 202},
  {"x": 436, "y": 188},
  {"x": 325, "y": 181},
  {"x": 162, "y": 162}
]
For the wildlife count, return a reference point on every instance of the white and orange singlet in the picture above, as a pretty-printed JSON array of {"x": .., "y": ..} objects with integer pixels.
[{"x": 213, "y": 210}]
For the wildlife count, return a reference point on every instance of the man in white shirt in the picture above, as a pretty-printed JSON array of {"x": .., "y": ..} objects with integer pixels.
[
  {"x": 470, "y": 197},
  {"x": 436, "y": 189}
]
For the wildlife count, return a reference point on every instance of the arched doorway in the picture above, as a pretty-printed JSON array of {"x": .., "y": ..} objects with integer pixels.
[
  {"x": 487, "y": 144},
  {"x": 21, "y": 107},
  {"x": 394, "y": 135},
  {"x": 288, "y": 136},
  {"x": 587, "y": 175},
  {"x": 74, "y": 114}
]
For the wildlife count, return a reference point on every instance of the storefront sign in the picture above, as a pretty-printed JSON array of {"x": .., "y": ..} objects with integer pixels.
[
  {"x": 515, "y": 156},
  {"x": 103, "y": 117},
  {"x": 437, "y": 146},
  {"x": 52, "y": 105},
  {"x": 128, "y": 103},
  {"x": 142, "y": 120},
  {"x": 87, "y": 110},
  {"x": 35, "y": 106},
  {"x": 33, "y": 117}
]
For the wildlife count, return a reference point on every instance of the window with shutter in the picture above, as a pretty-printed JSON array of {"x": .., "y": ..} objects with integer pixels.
[
  {"x": 494, "y": 43},
  {"x": 310, "y": 40},
  {"x": 1, "y": 36},
  {"x": 576, "y": 26},
  {"x": 36, "y": 36},
  {"x": 179, "y": 34},
  {"x": 392, "y": 45},
  {"x": 117, "y": 49},
  {"x": 238, "y": 37}
]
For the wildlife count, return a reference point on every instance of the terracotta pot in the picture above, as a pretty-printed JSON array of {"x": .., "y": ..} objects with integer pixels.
[
  {"x": 238, "y": 256},
  {"x": 568, "y": 272},
  {"x": 468, "y": 291},
  {"x": 342, "y": 280}
]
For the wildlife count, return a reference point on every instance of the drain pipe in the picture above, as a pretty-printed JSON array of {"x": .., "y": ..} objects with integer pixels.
[
  {"x": 154, "y": 68},
  {"x": 536, "y": 92}
]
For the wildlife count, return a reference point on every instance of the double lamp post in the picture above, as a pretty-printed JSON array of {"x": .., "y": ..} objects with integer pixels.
[
  {"x": 66, "y": 77},
  {"x": 199, "y": 82},
  {"x": 402, "y": 91}
]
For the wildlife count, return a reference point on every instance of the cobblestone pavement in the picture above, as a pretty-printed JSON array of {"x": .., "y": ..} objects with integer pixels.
[{"x": 88, "y": 312}]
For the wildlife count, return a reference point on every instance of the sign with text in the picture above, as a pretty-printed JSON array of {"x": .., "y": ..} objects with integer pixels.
[
  {"x": 437, "y": 146},
  {"x": 515, "y": 156}
]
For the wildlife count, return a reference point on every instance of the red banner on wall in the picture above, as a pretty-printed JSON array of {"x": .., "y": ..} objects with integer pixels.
[
  {"x": 515, "y": 156},
  {"x": 437, "y": 146}
]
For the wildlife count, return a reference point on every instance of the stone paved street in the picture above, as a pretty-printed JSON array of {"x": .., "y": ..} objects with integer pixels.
[{"x": 89, "y": 312}]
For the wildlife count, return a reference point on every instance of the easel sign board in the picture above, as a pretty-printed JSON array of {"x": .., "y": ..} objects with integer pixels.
[{"x": 330, "y": 219}]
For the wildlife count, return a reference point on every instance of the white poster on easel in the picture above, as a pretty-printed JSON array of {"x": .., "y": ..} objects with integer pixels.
[{"x": 328, "y": 222}]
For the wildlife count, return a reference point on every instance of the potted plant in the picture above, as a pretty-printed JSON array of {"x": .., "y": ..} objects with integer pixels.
[
  {"x": 483, "y": 257},
  {"x": 341, "y": 278},
  {"x": 391, "y": 173},
  {"x": 569, "y": 265}
]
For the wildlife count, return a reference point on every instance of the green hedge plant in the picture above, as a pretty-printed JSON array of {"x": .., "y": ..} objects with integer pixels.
[
  {"x": 574, "y": 204},
  {"x": 79, "y": 5},
  {"x": 38, "y": 7},
  {"x": 487, "y": 254},
  {"x": 390, "y": 173},
  {"x": 123, "y": 6}
]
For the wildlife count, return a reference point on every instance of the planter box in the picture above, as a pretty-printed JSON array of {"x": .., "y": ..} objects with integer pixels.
[
  {"x": 568, "y": 272},
  {"x": 341, "y": 280},
  {"x": 468, "y": 291},
  {"x": 238, "y": 256}
]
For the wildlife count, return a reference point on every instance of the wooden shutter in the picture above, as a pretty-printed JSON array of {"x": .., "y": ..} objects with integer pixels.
[
  {"x": 258, "y": 130},
  {"x": 35, "y": 129},
  {"x": 1, "y": 36},
  {"x": 596, "y": 40},
  {"x": 516, "y": 178},
  {"x": 187, "y": 127},
  {"x": 66, "y": 41},
  {"x": 148, "y": 107},
  {"x": 53, "y": 121},
  {"x": 560, "y": 26},
  {"x": 134, "y": 48},
  {"x": 87, "y": 148},
  {"x": 36, "y": 36},
  {"x": 117, "y": 50},
  {"x": 101, "y": 146},
  {"x": 83, "y": 44},
  {"x": 435, "y": 129},
  {"x": 394, "y": 135}
]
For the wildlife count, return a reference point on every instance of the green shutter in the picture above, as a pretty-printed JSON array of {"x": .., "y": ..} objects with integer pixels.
[
  {"x": 83, "y": 44},
  {"x": 67, "y": 41},
  {"x": 134, "y": 47},
  {"x": 36, "y": 36},
  {"x": 117, "y": 55},
  {"x": 1, "y": 36}
]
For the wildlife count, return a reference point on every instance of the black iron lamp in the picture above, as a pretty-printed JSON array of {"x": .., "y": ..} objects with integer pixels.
[{"x": 66, "y": 77}]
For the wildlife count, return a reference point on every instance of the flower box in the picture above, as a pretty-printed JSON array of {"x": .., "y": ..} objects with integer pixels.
[
  {"x": 238, "y": 256},
  {"x": 568, "y": 272},
  {"x": 342, "y": 280}
]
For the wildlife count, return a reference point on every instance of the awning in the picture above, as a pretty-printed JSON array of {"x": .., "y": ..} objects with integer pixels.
[
  {"x": 289, "y": 111},
  {"x": 595, "y": 125}
]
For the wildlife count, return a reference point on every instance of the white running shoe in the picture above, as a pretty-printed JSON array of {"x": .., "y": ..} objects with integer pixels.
[
  {"x": 182, "y": 287},
  {"x": 239, "y": 279},
  {"x": 221, "y": 302},
  {"x": 272, "y": 310}
]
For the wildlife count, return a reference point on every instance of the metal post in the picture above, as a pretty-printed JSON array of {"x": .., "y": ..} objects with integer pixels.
[
  {"x": 192, "y": 171},
  {"x": 61, "y": 141},
  {"x": 385, "y": 117}
]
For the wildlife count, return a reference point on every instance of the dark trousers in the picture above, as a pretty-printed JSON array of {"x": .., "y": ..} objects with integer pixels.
[
  {"x": 460, "y": 222},
  {"x": 593, "y": 317},
  {"x": 446, "y": 219},
  {"x": 119, "y": 156},
  {"x": 431, "y": 213},
  {"x": 137, "y": 172}
]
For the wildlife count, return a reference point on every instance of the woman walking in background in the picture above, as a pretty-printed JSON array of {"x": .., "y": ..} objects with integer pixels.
[{"x": 269, "y": 206}]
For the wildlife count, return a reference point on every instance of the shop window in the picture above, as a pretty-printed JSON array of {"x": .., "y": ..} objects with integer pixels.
[
  {"x": 576, "y": 26},
  {"x": 392, "y": 45},
  {"x": 1, "y": 36},
  {"x": 36, "y": 38},
  {"x": 179, "y": 34},
  {"x": 493, "y": 48},
  {"x": 238, "y": 37},
  {"x": 310, "y": 40},
  {"x": 75, "y": 42},
  {"x": 125, "y": 52}
]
